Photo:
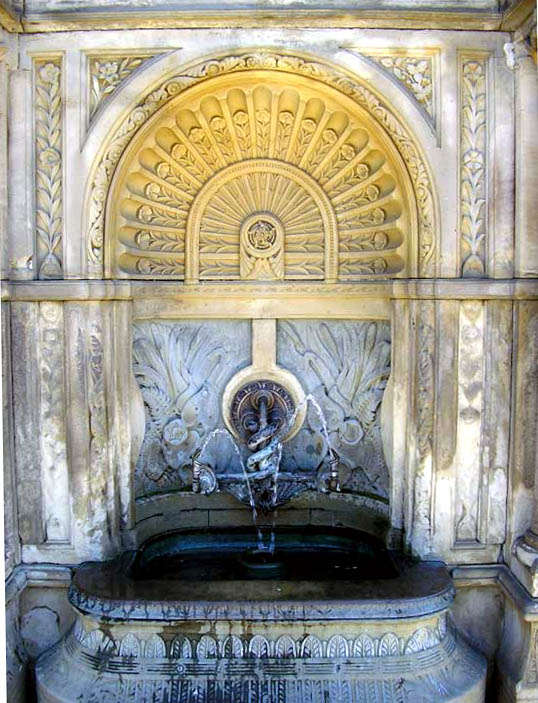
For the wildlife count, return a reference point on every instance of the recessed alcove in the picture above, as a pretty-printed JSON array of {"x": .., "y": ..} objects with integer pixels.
[{"x": 212, "y": 233}]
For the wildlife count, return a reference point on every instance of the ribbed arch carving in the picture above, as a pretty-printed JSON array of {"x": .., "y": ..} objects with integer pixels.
[{"x": 256, "y": 175}]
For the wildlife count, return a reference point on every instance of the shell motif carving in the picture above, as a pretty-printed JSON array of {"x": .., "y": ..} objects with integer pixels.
[{"x": 266, "y": 183}]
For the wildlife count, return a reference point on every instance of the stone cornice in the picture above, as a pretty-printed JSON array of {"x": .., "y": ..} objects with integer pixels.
[
  {"x": 516, "y": 14},
  {"x": 400, "y": 289},
  {"x": 8, "y": 20},
  {"x": 256, "y": 16}
]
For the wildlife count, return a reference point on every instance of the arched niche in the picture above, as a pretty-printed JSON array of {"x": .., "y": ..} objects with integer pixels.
[{"x": 261, "y": 166}]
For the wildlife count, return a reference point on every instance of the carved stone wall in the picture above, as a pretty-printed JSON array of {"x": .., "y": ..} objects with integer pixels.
[
  {"x": 345, "y": 366},
  {"x": 360, "y": 182},
  {"x": 182, "y": 369}
]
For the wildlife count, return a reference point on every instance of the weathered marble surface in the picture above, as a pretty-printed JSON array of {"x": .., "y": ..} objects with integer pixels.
[
  {"x": 459, "y": 413},
  {"x": 349, "y": 639}
]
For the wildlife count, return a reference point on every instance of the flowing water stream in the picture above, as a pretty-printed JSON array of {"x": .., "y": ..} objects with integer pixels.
[{"x": 262, "y": 547}]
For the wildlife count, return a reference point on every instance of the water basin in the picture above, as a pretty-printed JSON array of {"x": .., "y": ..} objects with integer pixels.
[
  {"x": 328, "y": 554},
  {"x": 190, "y": 618}
]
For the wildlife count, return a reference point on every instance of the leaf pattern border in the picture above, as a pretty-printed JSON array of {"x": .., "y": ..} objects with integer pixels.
[{"x": 48, "y": 115}]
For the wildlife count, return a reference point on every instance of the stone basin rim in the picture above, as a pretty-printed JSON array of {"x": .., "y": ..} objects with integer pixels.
[{"x": 105, "y": 591}]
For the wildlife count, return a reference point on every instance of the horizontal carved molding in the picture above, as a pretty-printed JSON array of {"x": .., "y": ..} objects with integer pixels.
[
  {"x": 402, "y": 289},
  {"x": 350, "y": 18}
]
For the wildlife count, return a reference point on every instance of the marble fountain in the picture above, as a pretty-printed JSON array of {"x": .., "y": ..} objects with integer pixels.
[{"x": 271, "y": 610}]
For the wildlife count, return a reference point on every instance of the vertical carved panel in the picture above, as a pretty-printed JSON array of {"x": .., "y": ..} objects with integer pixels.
[
  {"x": 54, "y": 469},
  {"x": 78, "y": 426},
  {"x": 527, "y": 389},
  {"x": 424, "y": 420},
  {"x": 48, "y": 155},
  {"x": 11, "y": 532},
  {"x": 94, "y": 490},
  {"x": 496, "y": 432},
  {"x": 447, "y": 391},
  {"x": 473, "y": 165},
  {"x": 470, "y": 417},
  {"x": 97, "y": 409},
  {"x": 24, "y": 322}
]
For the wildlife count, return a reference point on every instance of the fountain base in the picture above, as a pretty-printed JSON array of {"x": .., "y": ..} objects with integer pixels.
[{"x": 147, "y": 637}]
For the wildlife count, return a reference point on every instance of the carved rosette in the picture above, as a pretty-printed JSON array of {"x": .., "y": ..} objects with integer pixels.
[
  {"x": 316, "y": 166},
  {"x": 262, "y": 247}
]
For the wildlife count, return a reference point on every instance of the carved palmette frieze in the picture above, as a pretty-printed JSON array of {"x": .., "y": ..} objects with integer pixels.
[
  {"x": 253, "y": 130},
  {"x": 257, "y": 646},
  {"x": 107, "y": 72},
  {"x": 414, "y": 72},
  {"x": 473, "y": 165},
  {"x": 429, "y": 664},
  {"x": 48, "y": 111},
  {"x": 54, "y": 468}
]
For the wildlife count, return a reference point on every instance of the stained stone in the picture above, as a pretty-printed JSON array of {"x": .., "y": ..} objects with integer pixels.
[{"x": 314, "y": 196}]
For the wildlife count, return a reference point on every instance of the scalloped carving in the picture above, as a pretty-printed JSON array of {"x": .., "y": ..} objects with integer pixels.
[{"x": 296, "y": 160}]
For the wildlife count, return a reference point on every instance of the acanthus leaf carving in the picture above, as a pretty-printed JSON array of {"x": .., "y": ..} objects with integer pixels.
[
  {"x": 345, "y": 366},
  {"x": 181, "y": 371}
]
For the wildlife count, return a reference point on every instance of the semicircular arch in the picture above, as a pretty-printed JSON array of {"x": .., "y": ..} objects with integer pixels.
[{"x": 367, "y": 178}]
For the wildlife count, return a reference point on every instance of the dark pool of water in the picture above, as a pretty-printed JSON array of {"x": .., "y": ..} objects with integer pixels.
[{"x": 326, "y": 554}]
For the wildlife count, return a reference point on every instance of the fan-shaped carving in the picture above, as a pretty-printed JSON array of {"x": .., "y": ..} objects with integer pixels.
[{"x": 318, "y": 187}]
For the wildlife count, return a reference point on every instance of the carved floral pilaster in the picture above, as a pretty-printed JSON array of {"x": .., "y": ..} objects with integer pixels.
[
  {"x": 421, "y": 489},
  {"x": 473, "y": 165},
  {"x": 471, "y": 391},
  {"x": 48, "y": 156},
  {"x": 54, "y": 466}
]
